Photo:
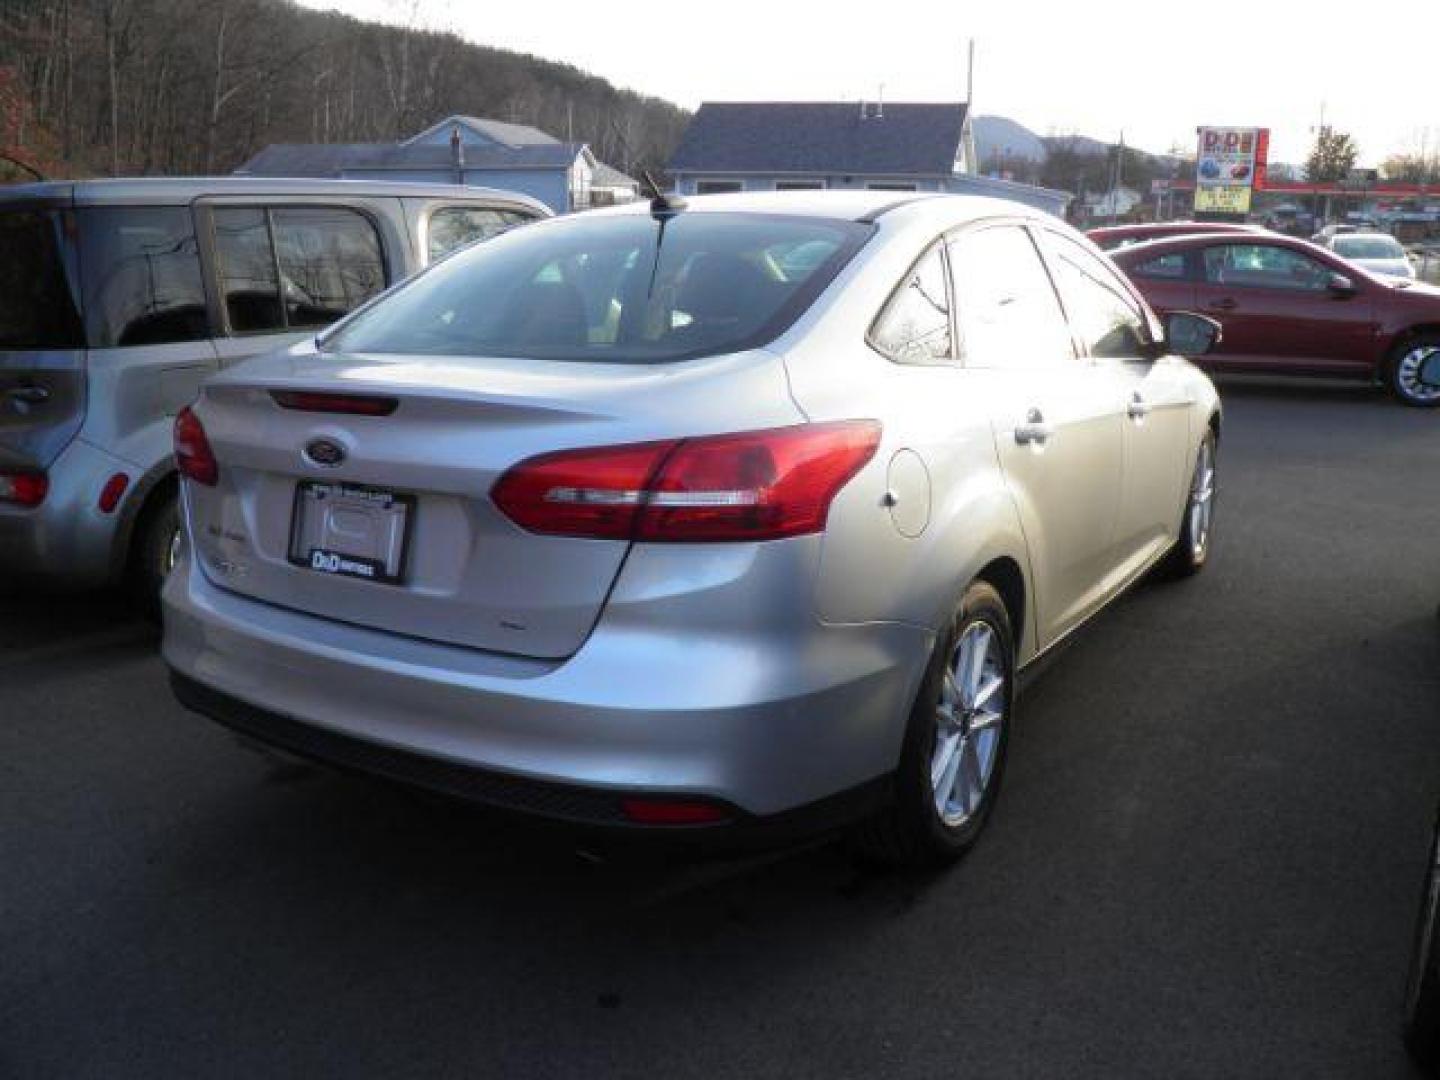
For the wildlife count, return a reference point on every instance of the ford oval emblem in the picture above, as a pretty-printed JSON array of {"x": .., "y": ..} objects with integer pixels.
[{"x": 325, "y": 452}]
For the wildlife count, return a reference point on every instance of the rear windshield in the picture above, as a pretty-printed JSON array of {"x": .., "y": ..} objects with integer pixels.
[
  {"x": 38, "y": 306},
  {"x": 1368, "y": 247},
  {"x": 613, "y": 288}
]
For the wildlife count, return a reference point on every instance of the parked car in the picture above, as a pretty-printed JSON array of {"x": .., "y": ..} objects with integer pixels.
[
  {"x": 1380, "y": 253},
  {"x": 1290, "y": 307},
  {"x": 1112, "y": 237},
  {"x": 117, "y": 298},
  {"x": 1422, "y": 986},
  {"x": 632, "y": 518}
]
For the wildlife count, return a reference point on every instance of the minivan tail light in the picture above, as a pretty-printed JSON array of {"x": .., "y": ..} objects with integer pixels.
[
  {"x": 347, "y": 404},
  {"x": 755, "y": 485},
  {"x": 24, "y": 488},
  {"x": 193, "y": 456}
]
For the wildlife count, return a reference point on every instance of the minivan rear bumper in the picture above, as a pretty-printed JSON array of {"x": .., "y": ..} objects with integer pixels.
[
  {"x": 764, "y": 726},
  {"x": 66, "y": 540}
]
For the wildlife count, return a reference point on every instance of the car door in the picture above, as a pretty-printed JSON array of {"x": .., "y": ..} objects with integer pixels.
[
  {"x": 1279, "y": 312},
  {"x": 1118, "y": 335},
  {"x": 1055, "y": 422},
  {"x": 283, "y": 272}
]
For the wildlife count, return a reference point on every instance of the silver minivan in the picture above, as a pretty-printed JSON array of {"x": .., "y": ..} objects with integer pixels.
[{"x": 119, "y": 297}]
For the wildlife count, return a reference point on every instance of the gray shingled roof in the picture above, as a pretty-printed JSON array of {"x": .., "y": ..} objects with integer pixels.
[
  {"x": 333, "y": 159},
  {"x": 499, "y": 130},
  {"x": 609, "y": 176},
  {"x": 821, "y": 137}
]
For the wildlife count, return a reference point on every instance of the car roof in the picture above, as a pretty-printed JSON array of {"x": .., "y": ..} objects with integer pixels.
[
  {"x": 1187, "y": 227},
  {"x": 163, "y": 190},
  {"x": 1372, "y": 235},
  {"x": 847, "y": 205}
]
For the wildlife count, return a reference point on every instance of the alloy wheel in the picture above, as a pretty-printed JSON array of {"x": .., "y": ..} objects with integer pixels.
[
  {"x": 1412, "y": 370},
  {"x": 1202, "y": 500},
  {"x": 968, "y": 720}
]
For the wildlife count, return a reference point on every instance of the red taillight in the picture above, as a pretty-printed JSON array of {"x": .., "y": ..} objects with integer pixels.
[
  {"x": 111, "y": 493},
  {"x": 27, "y": 488},
  {"x": 193, "y": 455},
  {"x": 672, "y": 812},
  {"x": 348, "y": 404},
  {"x": 757, "y": 485}
]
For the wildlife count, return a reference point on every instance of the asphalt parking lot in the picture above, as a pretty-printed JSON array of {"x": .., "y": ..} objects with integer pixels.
[{"x": 1205, "y": 863}]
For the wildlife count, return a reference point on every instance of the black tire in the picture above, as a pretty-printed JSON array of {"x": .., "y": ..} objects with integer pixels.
[
  {"x": 152, "y": 549},
  {"x": 1189, "y": 556},
  {"x": 1402, "y": 372},
  {"x": 1422, "y": 987},
  {"x": 910, "y": 831}
]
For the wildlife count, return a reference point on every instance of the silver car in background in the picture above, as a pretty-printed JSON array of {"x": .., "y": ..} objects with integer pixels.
[
  {"x": 118, "y": 297},
  {"x": 697, "y": 517},
  {"x": 1380, "y": 253}
]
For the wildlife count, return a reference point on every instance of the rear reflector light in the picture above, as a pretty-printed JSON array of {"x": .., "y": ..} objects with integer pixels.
[
  {"x": 756, "y": 485},
  {"x": 349, "y": 404},
  {"x": 193, "y": 456},
  {"x": 112, "y": 492},
  {"x": 24, "y": 488},
  {"x": 672, "y": 812}
]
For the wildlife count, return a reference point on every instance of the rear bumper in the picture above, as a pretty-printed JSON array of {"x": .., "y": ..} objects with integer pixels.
[
  {"x": 765, "y": 726},
  {"x": 66, "y": 540}
]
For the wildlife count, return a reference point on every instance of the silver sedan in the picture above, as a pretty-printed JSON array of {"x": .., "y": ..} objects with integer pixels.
[{"x": 701, "y": 518}]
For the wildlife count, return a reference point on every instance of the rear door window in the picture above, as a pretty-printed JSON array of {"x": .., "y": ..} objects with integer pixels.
[
  {"x": 1009, "y": 314},
  {"x": 39, "y": 300},
  {"x": 453, "y": 227},
  {"x": 142, "y": 282},
  {"x": 292, "y": 268}
]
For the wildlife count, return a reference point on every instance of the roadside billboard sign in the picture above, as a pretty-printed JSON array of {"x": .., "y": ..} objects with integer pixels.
[{"x": 1229, "y": 167}]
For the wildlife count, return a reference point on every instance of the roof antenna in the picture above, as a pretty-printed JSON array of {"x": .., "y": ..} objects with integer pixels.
[{"x": 662, "y": 206}]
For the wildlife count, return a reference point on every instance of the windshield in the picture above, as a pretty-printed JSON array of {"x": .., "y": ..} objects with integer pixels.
[
  {"x": 608, "y": 288},
  {"x": 1368, "y": 247},
  {"x": 38, "y": 307}
]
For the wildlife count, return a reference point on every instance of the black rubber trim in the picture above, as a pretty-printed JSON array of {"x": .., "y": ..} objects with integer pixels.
[{"x": 569, "y": 803}]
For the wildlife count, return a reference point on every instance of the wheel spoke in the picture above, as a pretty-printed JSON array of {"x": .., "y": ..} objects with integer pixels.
[
  {"x": 973, "y": 657},
  {"x": 993, "y": 685},
  {"x": 985, "y": 720},
  {"x": 970, "y": 780},
  {"x": 943, "y": 765}
]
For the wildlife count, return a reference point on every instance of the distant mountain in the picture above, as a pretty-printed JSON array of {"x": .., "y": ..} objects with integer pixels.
[{"x": 997, "y": 136}]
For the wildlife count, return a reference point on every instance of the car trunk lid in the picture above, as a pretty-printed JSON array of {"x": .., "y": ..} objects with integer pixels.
[{"x": 358, "y": 487}]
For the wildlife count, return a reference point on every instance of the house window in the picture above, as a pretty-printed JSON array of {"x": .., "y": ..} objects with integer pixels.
[
  {"x": 890, "y": 187},
  {"x": 799, "y": 185},
  {"x": 717, "y": 187}
]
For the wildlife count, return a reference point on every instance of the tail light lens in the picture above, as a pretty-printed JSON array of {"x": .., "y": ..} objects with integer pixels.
[
  {"x": 757, "y": 485},
  {"x": 193, "y": 455},
  {"x": 26, "y": 488},
  {"x": 346, "y": 404}
]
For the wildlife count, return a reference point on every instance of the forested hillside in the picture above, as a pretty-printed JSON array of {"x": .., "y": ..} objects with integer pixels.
[{"x": 132, "y": 87}]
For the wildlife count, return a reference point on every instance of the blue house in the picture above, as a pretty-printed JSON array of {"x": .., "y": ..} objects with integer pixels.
[
  {"x": 462, "y": 150},
  {"x": 790, "y": 146}
]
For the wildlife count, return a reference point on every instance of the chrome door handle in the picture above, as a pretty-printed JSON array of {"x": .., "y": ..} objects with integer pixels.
[
  {"x": 1226, "y": 304},
  {"x": 1138, "y": 408},
  {"x": 29, "y": 395},
  {"x": 1035, "y": 431}
]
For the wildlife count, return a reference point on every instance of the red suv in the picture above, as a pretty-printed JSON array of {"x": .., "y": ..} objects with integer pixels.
[{"x": 1289, "y": 307}]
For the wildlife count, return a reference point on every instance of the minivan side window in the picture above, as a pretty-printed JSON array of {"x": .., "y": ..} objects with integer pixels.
[
  {"x": 452, "y": 227},
  {"x": 1102, "y": 311},
  {"x": 914, "y": 325},
  {"x": 1009, "y": 314},
  {"x": 39, "y": 304},
  {"x": 141, "y": 271},
  {"x": 290, "y": 268}
]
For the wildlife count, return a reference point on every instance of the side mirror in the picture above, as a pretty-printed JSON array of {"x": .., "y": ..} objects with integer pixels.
[
  {"x": 1340, "y": 286},
  {"x": 1188, "y": 334}
]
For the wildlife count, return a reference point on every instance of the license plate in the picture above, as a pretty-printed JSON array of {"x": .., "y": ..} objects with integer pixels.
[{"x": 351, "y": 531}]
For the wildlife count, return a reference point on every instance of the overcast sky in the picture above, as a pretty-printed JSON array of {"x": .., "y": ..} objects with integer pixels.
[{"x": 1157, "y": 71}]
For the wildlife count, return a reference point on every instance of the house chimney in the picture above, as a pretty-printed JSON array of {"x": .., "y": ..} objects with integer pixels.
[
  {"x": 863, "y": 114},
  {"x": 880, "y": 104},
  {"x": 457, "y": 154}
]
